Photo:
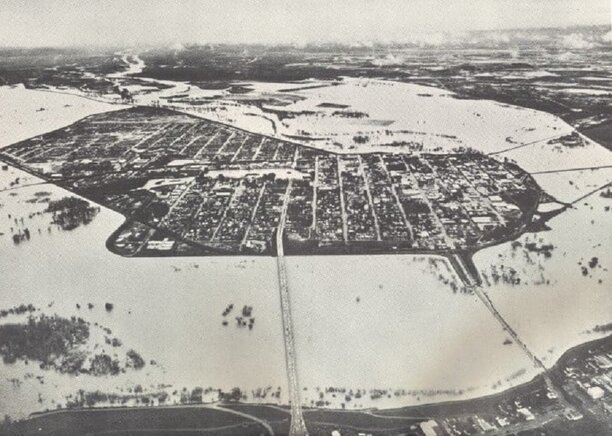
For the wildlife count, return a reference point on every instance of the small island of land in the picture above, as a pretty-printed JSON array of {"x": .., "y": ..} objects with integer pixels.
[{"x": 190, "y": 186}]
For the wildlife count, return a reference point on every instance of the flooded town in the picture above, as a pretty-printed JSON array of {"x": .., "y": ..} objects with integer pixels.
[{"x": 328, "y": 238}]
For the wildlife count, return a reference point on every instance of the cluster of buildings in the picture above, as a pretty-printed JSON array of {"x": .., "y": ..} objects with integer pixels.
[
  {"x": 584, "y": 376},
  {"x": 227, "y": 190},
  {"x": 590, "y": 380}
]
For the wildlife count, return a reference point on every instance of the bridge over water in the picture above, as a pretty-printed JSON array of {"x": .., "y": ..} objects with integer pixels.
[{"x": 298, "y": 426}]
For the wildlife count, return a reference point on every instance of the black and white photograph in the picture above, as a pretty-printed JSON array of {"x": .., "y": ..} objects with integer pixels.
[{"x": 306, "y": 217}]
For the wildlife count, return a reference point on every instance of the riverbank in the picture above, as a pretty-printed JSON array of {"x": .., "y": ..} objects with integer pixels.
[{"x": 375, "y": 421}]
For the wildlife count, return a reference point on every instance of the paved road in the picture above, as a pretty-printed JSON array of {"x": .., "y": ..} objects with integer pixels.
[
  {"x": 261, "y": 422},
  {"x": 523, "y": 144},
  {"x": 566, "y": 170},
  {"x": 298, "y": 426},
  {"x": 13, "y": 188},
  {"x": 588, "y": 194}
]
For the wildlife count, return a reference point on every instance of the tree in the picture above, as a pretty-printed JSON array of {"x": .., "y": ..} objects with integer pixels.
[
  {"x": 158, "y": 209},
  {"x": 135, "y": 360},
  {"x": 234, "y": 395}
]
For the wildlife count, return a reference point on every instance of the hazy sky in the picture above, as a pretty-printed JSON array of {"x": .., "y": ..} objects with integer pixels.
[{"x": 131, "y": 22}]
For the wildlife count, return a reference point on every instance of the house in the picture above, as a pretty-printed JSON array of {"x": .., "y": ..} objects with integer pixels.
[
  {"x": 595, "y": 392},
  {"x": 429, "y": 428},
  {"x": 526, "y": 413}
]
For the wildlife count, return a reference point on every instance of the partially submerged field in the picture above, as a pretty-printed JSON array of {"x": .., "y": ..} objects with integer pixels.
[
  {"x": 370, "y": 114},
  {"x": 25, "y": 112}
]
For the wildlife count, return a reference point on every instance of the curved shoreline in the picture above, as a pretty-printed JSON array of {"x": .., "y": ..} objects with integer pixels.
[{"x": 412, "y": 414}]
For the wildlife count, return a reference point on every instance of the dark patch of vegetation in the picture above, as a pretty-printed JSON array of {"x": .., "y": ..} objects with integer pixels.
[
  {"x": 602, "y": 133},
  {"x": 209, "y": 67},
  {"x": 46, "y": 339},
  {"x": 361, "y": 139},
  {"x": 152, "y": 211},
  {"x": 350, "y": 114},
  {"x": 17, "y": 310},
  {"x": 73, "y": 361},
  {"x": 603, "y": 328},
  {"x": 71, "y": 212},
  {"x": 234, "y": 395},
  {"x": 103, "y": 364},
  {"x": 333, "y": 105},
  {"x": 246, "y": 318},
  {"x": 134, "y": 360},
  {"x": 228, "y": 309},
  {"x": 196, "y": 395},
  {"x": 570, "y": 141},
  {"x": 20, "y": 236},
  {"x": 37, "y": 67},
  {"x": 544, "y": 249}
]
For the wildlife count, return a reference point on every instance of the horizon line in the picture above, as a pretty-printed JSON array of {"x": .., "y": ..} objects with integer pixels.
[{"x": 311, "y": 42}]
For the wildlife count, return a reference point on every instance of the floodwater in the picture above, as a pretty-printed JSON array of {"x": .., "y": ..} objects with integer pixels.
[
  {"x": 169, "y": 310},
  {"x": 25, "y": 113},
  {"x": 556, "y": 306},
  {"x": 409, "y": 330},
  {"x": 390, "y": 322},
  {"x": 361, "y": 322}
]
